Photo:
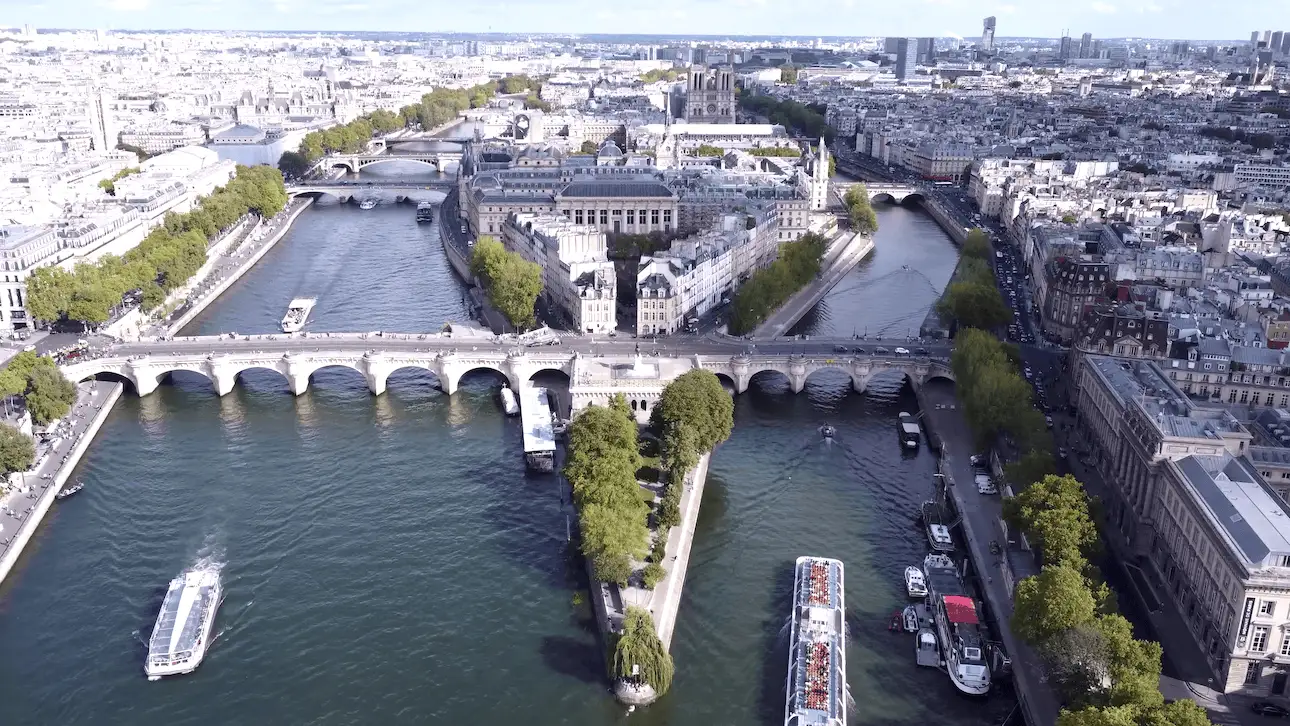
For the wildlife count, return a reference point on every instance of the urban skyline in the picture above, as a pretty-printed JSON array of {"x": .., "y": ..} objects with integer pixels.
[{"x": 1147, "y": 19}]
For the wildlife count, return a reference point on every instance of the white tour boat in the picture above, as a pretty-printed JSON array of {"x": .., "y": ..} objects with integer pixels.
[
  {"x": 915, "y": 583},
  {"x": 183, "y": 630},
  {"x": 298, "y": 313},
  {"x": 367, "y": 204},
  {"x": 817, "y": 648}
]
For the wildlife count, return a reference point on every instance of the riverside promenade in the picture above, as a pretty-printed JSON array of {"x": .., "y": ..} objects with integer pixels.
[
  {"x": 22, "y": 510},
  {"x": 842, "y": 256}
]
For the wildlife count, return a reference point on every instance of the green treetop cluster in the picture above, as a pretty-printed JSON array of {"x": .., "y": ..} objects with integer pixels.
[
  {"x": 1104, "y": 675},
  {"x": 512, "y": 282},
  {"x": 601, "y": 469},
  {"x": 109, "y": 185},
  {"x": 660, "y": 74},
  {"x": 639, "y": 655},
  {"x": 792, "y": 151},
  {"x": 48, "y": 393},
  {"x": 797, "y": 118},
  {"x": 692, "y": 416},
  {"x": 165, "y": 259},
  {"x": 768, "y": 288},
  {"x": 350, "y": 138},
  {"x": 860, "y": 212},
  {"x": 996, "y": 399},
  {"x": 972, "y": 298},
  {"x": 709, "y": 150},
  {"x": 17, "y": 450}
]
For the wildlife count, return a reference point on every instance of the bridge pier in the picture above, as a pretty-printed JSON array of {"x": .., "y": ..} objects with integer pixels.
[
  {"x": 377, "y": 370},
  {"x": 797, "y": 374}
]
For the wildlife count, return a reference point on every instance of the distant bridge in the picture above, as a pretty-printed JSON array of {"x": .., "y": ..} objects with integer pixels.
[
  {"x": 222, "y": 358},
  {"x": 345, "y": 189},
  {"x": 354, "y": 162},
  {"x": 895, "y": 193}
]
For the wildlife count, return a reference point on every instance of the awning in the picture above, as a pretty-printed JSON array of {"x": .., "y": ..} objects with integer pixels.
[{"x": 960, "y": 609}]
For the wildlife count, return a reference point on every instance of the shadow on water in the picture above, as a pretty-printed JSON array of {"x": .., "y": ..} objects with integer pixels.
[
  {"x": 580, "y": 659},
  {"x": 775, "y": 636}
]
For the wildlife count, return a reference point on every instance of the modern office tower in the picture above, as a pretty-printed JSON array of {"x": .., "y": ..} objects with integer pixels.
[
  {"x": 1064, "y": 50},
  {"x": 987, "y": 34},
  {"x": 1096, "y": 50},
  {"x": 1275, "y": 44},
  {"x": 1254, "y": 38},
  {"x": 906, "y": 54},
  {"x": 1086, "y": 45},
  {"x": 889, "y": 45},
  {"x": 1285, "y": 43},
  {"x": 1266, "y": 37},
  {"x": 1261, "y": 67},
  {"x": 926, "y": 50}
]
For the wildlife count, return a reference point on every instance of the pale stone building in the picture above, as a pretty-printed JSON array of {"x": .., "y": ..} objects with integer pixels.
[{"x": 578, "y": 277}]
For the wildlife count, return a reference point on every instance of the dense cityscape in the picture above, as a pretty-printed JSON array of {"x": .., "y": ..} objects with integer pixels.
[{"x": 464, "y": 377}]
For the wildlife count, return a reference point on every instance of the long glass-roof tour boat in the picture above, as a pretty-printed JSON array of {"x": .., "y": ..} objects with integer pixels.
[
  {"x": 817, "y": 661},
  {"x": 183, "y": 630}
]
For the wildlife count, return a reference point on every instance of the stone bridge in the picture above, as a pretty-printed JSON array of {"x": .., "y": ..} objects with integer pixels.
[
  {"x": 878, "y": 192},
  {"x": 146, "y": 372},
  {"x": 739, "y": 370},
  {"x": 354, "y": 162},
  {"x": 346, "y": 189}
]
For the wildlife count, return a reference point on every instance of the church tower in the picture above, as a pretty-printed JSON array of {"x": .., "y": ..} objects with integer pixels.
[{"x": 820, "y": 179}]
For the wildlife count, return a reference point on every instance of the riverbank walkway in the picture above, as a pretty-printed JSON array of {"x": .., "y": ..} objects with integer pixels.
[
  {"x": 982, "y": 515},
  {"x": 842, "y": 256}
]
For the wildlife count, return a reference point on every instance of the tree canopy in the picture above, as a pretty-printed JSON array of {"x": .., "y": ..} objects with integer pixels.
[
  {"x": 601, "y": 469},
  {"x": 17, "y": 450},
  {"x": 639, "y": 655},
  {"x": 1053, "y": 601},
  {"x": 996, "y": 399},
  {"x": 1053, "y": 512},
  {"x": 49, "y": 394},
  {"x": 166, "y": 259},
  {"x": 696, "y": 399},
  {"x": 512, "y": 282},
  {"x": 770, "y": 287},
  {"x": 796, "y": 117},
  {"x": 860, "y": 212}
]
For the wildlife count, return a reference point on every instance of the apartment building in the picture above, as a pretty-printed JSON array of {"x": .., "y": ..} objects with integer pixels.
[
  {"x": 1200, "y": 526},
  {"x": 22, "y": 249},
  {"x": 160, "y": 139},
  {"x": 578, "y": 277}
]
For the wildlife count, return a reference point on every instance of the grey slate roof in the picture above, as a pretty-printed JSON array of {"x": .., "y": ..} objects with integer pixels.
[{"x": 617, "y": 189}]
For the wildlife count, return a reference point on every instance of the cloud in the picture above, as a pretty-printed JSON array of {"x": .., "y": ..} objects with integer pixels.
[
  {"x": 128, "y": 6},
  {"x": 1103, "y": 8}
]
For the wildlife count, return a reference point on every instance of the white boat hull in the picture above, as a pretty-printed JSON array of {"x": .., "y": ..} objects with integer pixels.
[{"x": 189, "y": 664}]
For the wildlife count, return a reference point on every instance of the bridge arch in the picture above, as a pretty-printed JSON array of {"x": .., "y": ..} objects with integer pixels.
[
  {"x": 412, "y": 373},
  {"x": 830, "y": 369},
  {"x": 884, "y": 197},
  {"x": 452, "y": 378},
  {"x": 913, "y": 198},
  {"x": 259, "y": 372},
  {"x": 433, "y": 164}
]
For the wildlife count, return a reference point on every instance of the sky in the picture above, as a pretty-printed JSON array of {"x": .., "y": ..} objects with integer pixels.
[{"x": 1175, "y": 19}]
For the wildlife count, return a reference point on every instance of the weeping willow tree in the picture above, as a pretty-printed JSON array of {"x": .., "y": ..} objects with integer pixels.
[{"x": 639, "y": 646}]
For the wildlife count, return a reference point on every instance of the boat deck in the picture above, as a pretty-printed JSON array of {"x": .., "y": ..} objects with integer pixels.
[
  {"x": 179, "y": 624},
  {"x": 817, "y": 652},
  {"x": 535, "y": 417}
]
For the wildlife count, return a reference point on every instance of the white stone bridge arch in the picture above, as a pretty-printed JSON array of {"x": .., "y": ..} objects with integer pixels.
[
  {"x": 894, "y": 193},
  {"x": 861, "y": 369},
  {"x": 146, "y": 373},
  {"x": 354, "y": 162}
]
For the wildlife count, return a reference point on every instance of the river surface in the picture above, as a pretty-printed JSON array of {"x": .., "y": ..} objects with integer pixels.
[{"x": 386, "y": 560}]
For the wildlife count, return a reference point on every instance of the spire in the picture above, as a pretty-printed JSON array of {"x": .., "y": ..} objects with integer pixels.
[{"x": 667, "y": 111}]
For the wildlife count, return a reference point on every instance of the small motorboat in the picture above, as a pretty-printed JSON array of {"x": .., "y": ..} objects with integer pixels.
[
  {"x": 828, "y": 431},
  {"x": 915, "y": 582},
  {"x": 910, "y": 618},
  {"x": 927, "y": 653},
  {"x": 69, "y": 491}
]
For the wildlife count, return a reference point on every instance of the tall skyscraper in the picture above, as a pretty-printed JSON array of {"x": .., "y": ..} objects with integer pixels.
[
  {"x": 1277, "y": 39},
  {"x": 1086, "y": 45},
  {"x": 1261, "y": 67},
  {"x": 889, "y": 45},
  {"x": 1064, "y": 50},
  {"x": 1285, "y": 44},
  {"x": 906, "y": 53},
  {"x": 1266, "y": 37},
  {"x": 926, "y": 50},
  {"x": 1096, "y": 50},
  {"x": 987, "y": 35},
  {"x": 1254, "y": 38}
]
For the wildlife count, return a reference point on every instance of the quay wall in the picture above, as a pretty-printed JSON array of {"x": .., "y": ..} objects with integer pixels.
[
  {"x": 841, "y": 257},
  {"x": 237, "y": 274},
  {"x": 946, "y": 220},
  {"x": 46, "y": 499}
]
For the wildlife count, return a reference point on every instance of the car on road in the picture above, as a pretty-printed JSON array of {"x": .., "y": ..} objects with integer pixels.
[
  {"x": 902, "y": 351},
  {"x": 859, "y": 350},
  {"x": 922, "y": 351},
  {"x": 1267, "y": 708},
  {"x": 978, "y": 460},
  {"x": 881, "y": 350},
  {"x": 840, "y": 349}
]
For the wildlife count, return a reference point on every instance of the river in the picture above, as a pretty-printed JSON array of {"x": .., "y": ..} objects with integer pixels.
[{"x": 386, "y": 559}]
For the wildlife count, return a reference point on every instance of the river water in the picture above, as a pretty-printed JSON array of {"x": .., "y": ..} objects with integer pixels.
[{"x": 386, "y": 559}]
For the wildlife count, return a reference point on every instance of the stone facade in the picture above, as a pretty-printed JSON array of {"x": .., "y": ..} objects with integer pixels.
[{"x": 710, "y": 95}]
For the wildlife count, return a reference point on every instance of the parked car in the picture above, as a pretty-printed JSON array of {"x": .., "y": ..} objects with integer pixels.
[
  {"x": 859, "y": 350},
  {"x": 840, "y": 349},
  {"x": 1267, "y": 708},
  {"x": 902, "y": 351}
]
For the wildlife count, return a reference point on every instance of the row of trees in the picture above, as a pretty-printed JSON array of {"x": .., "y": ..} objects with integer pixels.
[
  {"x": 996, "y": 399},
  {"x": 693, "y": 415},
  {"x": 604, "y": 456},
  {"x": 709, "y": 150},
  {"x": 1105, "y": 676},
  {"x": 109, "y": 185},
  {"x": 798, "y": 118},
  {"x": 166, "y": 259},
  {"x": 512, "y": 282},
  {"x": 768, "y": 288},
  {"x": 350, "y": 138},
  {"x": 860, "y": 212},
  {"x": 792, "y": 151},
  {"x": 972, "y": 298},
  {"x": 660, "y": 74}
]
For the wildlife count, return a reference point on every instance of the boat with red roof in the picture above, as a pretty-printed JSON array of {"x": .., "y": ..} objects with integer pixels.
[{"x": 958, "y": 626}]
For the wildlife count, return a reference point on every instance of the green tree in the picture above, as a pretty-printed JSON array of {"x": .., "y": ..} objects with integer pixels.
[
  {"x": 639, "y": 655},
  {"x": 49, "y": 394},
  {"x": 681, "y": 447},
  {"x": 515, "y": 291},
  {"x": 589, "y": 147},
  {"x": 770, "y": 287},
  {"x": 977, "y": 245},
  {"x": 49, "y": 292},
  {"x": 1178, "y": 713},
  {"x": 1030, "y": 468},
  {"x": 651, "y": 575},
  {"x": 709, "y": 150},
  {"x": 1135, "y": 665},
  {"x": 17, "y": 451},
  {"x": 1054, "y": 514},
  {"x": 1095, "y": 716},
  {"x": 860, "y": 212},
  {"x": 974, "y": 305},
  {"x": 696, "y": 399},
  {"x": 788, "y": 74},
  {"x": 1053, "y": 601},
  {"x": 1077, "y": 662}
]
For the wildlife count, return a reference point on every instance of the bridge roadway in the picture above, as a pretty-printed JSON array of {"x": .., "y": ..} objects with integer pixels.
[
  {"x": 376, "y": 355},
  {"x": 340, "y": 187}
]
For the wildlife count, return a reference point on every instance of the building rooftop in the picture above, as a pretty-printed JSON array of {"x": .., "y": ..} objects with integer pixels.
[
  {"x": 1240, "y": 505},
  {"x": 617, "y": 189}
]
